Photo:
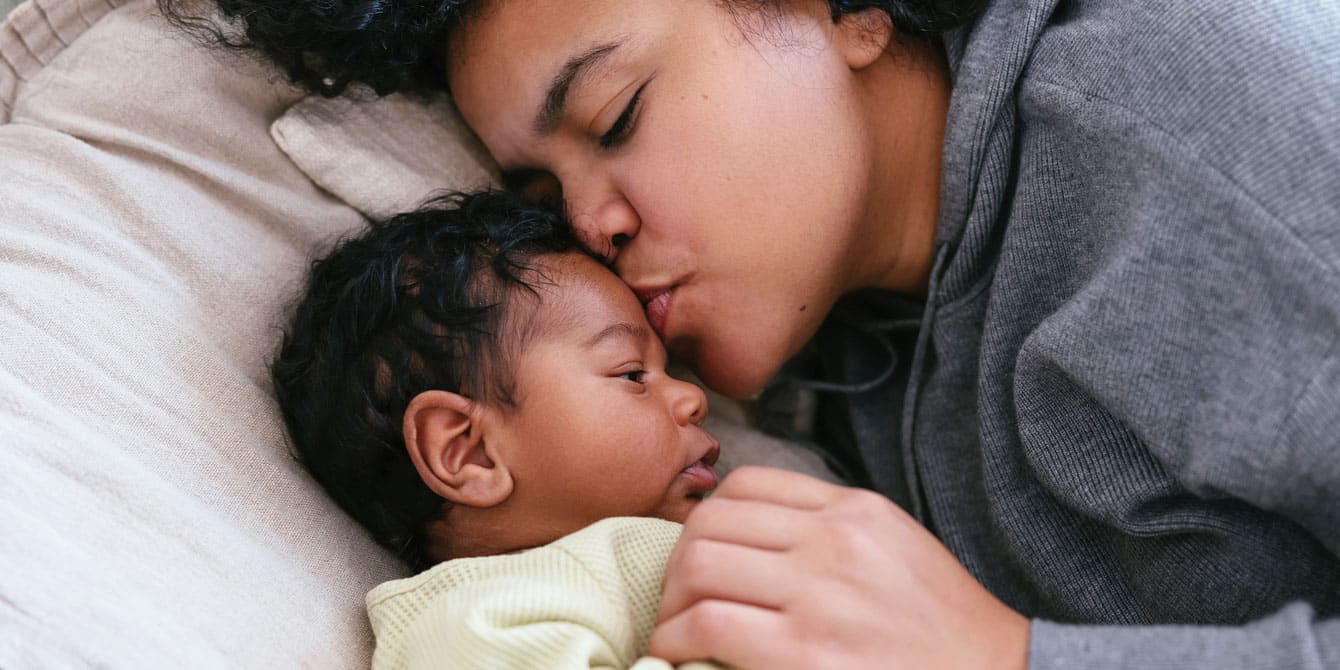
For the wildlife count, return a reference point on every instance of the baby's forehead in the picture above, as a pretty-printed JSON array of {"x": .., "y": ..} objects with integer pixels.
[
  {"x": 574, "y": 292},
  {"x": 574, "y": 271}
]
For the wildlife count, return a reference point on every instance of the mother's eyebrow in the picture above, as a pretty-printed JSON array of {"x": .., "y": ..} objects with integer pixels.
[{"x": 556, "y": 98}]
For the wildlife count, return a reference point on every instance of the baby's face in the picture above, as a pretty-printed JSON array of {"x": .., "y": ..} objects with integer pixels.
[{"x": 600, "y": 429}]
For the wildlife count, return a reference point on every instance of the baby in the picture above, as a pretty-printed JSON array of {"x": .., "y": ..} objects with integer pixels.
[{"x": 491, "y": 404}]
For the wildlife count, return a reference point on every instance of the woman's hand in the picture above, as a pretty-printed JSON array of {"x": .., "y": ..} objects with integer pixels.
[{"x": 780, "y": 570}]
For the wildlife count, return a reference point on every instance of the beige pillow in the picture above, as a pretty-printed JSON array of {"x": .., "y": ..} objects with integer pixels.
[
  {"x": 383, "y": 155},
  {"x": 150, "y": 233}
]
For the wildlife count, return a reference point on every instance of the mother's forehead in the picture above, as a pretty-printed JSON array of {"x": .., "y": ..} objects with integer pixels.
[
  {"x": 506, "y": 31},
  {"x": 532, "y": 39},
  {"x": 512, "y": 65}
]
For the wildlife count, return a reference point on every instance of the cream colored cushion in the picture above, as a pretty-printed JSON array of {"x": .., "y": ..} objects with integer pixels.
[
  {"x": 383, "y": 155},
  {"x": 151, "y": 234}
]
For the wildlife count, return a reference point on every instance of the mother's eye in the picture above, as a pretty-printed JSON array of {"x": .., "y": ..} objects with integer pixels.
[{"x": 622, "y": 128}]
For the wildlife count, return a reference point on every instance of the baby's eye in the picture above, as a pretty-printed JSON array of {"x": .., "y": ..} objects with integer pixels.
[{"x": 635, "y": 376}]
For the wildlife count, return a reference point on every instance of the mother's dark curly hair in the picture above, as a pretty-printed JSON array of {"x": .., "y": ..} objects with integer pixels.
[{"x": 399, "y": 45}]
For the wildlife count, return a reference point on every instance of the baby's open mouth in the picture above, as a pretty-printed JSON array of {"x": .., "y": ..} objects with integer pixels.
[{"x": 702, "y": 476}]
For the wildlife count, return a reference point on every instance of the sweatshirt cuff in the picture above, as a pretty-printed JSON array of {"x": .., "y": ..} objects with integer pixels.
[{"x": 1286, "y": 640}]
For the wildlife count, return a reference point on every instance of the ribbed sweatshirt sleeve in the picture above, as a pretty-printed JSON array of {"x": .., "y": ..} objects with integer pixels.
[
  {"x": 1288, "y": 640},
  {"x": 1141, "y": 311},
  {"x": 1189, "y": 387}
]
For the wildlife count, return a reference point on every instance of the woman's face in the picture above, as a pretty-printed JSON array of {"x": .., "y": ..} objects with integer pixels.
[{"x": 734, "y": 178}]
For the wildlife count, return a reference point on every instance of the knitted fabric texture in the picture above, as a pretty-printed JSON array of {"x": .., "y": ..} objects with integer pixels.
[{"x": 587, "y": 600}]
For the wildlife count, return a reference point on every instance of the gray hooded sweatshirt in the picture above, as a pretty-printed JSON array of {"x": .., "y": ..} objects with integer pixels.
[{"x": 1122, "y": 408}]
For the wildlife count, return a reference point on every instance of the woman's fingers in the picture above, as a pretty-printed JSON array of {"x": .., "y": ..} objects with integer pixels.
[
  {"x": 728, "y": 632},
  {"x": 761, "y": 525},
  {"x": 885, "y": 592},
  {"x": 739, "y": 545},
  {"x": 734, "y": 543},
  {"x": 780, "y": 487},
  {"x": 711, "y": 570}
]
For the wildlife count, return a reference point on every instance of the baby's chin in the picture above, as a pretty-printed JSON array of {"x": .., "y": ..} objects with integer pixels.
[{"x": 678, "y": 510}]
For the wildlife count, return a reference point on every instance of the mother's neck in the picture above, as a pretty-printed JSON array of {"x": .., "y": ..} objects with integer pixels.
[{"x": 906, "y": 96}]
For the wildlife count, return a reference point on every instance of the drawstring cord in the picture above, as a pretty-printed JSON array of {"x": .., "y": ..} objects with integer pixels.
[
  {"x": 878, "y": 330},
  {"x": 857, "y": 322},
  {"x": 914, "y": 380}
]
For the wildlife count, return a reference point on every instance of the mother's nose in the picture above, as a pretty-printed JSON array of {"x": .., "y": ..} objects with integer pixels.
[{"x": 605, "y": 224}]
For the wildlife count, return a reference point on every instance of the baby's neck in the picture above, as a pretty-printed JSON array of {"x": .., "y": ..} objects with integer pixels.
[{"x": 465, "y": 532}]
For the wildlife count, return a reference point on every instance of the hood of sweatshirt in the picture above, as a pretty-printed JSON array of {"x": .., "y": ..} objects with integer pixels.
[{"x": 986, "y": 60}]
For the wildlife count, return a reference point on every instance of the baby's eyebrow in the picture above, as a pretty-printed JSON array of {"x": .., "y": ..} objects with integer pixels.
[{"x": 622, "y": 329}]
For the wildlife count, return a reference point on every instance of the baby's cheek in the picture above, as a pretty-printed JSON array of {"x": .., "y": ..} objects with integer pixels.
[{"x": 678, "y": 510}]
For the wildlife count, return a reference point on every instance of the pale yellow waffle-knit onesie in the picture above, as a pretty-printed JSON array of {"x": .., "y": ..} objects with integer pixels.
[{"x": 588, "y": 600}]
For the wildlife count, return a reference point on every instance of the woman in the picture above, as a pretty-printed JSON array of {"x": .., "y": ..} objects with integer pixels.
[{"x": 1118, "y": 224}]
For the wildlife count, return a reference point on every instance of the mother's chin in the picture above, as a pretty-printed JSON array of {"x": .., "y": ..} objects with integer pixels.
[
  {"x": 735, "y": 369},
  {"x": 736, "y": 346}
]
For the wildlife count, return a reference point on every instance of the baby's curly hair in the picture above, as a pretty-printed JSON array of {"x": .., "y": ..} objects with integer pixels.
[
  {"x": 418, "y": 302},
  {"x": 394, "y": 46}
]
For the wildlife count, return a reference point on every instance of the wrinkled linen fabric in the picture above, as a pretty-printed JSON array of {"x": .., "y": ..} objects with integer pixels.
[{"x": 150, "y": 235}]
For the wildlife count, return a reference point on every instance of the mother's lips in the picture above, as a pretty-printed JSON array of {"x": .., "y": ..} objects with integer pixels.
[
  {"x": 649, "y": 293},
  {"x": 656, "y": 302}
]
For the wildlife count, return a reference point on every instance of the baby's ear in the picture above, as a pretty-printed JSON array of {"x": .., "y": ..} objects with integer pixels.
[{"x": 445, "y": 440}]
